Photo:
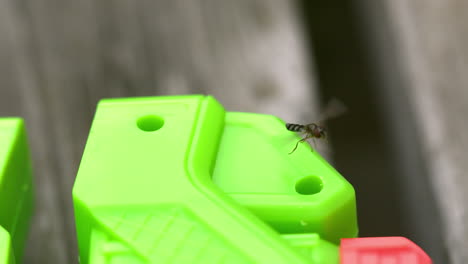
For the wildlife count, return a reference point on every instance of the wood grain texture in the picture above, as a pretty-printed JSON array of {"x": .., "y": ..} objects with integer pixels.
[
  {"x": 421, "y": 48},
  {"x": 58, "y": 58}
]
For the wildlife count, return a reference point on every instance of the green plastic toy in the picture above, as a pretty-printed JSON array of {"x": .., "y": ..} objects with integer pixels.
[
  {"x": 16, "y": 194},
  {"x": 6, "y": 252},
  {"x": 178, "y": 179}
]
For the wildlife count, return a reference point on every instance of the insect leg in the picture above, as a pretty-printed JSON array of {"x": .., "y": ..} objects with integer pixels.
[{"x": 297, "y": 144}]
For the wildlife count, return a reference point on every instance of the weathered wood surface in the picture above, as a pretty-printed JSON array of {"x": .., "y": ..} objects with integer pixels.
[
  {"x": 58, "y": 58},
  {"x": 421, "y": 50}
]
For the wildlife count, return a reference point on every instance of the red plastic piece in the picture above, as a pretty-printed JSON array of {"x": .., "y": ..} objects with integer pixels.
[{"x": 381, "y": 250}]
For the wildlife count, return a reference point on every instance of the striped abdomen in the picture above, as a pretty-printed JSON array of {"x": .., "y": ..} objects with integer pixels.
[{"x": 295, "y": 127}]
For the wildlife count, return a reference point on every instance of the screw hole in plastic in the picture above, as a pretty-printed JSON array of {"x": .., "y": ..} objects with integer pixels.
[
  {"x": 309, "y": 185},
  {"x": 150, "y": 123}
]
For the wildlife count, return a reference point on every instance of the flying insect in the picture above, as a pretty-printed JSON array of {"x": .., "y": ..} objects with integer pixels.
[{"x": 317, "y": 130}]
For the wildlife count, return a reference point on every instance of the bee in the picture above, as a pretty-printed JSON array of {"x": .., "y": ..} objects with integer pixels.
[{"x": 317, "y": 130}]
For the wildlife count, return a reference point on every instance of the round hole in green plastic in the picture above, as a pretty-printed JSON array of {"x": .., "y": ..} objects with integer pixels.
[
  {"x": 309, "y": 185},
  {"x": 150, "y": 123}
]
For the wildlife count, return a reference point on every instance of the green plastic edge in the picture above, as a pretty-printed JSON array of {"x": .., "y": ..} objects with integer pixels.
[
  {"x": 116, "y": 223},
  {"x": 6, "y": 251},
  {"x": 15, "y": 188}
]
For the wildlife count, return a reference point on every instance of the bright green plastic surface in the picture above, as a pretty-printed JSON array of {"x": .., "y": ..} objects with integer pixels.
[
  {"x": 179, "y": 180},
  {"x": 6, "y": 252},
  {"x": 16, "y": 195},
  {"x": 315, "y": 249}
]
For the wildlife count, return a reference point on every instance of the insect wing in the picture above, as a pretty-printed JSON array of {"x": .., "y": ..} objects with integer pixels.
[{"x": 333, "y": 109}]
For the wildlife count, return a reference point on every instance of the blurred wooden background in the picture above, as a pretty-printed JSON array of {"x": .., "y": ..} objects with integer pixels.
[{"x": 398, "y": 66}]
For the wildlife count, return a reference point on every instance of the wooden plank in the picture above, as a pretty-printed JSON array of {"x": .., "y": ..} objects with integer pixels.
[
  {"x": 420, "y": 50},
  {"x": 61, "y": 57}
]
